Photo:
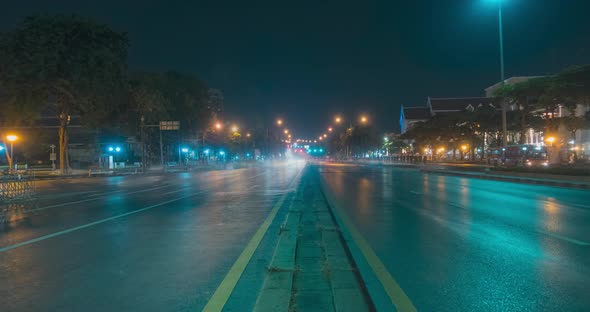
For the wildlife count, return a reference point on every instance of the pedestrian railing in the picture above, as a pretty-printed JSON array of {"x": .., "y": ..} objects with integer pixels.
[{"x": 16, "y": 190}]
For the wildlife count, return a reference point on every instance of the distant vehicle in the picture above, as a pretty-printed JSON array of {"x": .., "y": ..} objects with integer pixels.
[
  {"x": 495, "y": 156},
  {"x": 524, "y": 156}
]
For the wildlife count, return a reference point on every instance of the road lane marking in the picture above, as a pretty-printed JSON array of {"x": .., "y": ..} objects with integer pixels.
[
  {"x": 396, "y": 294},
  {"x": 80, "y": 227},
  {"x": 94, "y": 198},
  {"x": 225, "y": 289},
  {"x": 565, "y": 238}
]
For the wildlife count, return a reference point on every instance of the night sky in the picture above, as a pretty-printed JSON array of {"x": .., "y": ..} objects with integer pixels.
[{"x": 307, "y": 60}]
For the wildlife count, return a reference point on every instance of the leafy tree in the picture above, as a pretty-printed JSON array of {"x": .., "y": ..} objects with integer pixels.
[{"x": 64, "y": 64}]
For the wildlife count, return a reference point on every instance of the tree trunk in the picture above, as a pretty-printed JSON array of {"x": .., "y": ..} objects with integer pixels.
[
  {"x": 523, "y": 129},
  {"x": 64, "y": 164}
]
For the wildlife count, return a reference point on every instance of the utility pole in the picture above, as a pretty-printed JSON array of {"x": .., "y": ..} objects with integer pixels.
[
  {"x": 504, "y": 126},
  {"x": 52, "y": 157},
  {"x": 161, "y": 149}
]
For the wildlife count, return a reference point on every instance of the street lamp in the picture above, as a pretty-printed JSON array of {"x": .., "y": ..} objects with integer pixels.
[
  {"x": 286, "y": 131},
  {"x": 338, "y": 120},
  {"x": 218, "y": 126},
  {"x": 11, "y": 138},
  {"x": 325, "y": 135},
  {"x": 501, "y": 37},
  {"x": 234, "y": 129},
  {"x": 279, "y": 122},
  {"x": 364, "y": 119},
  {"x": 330, "y": 129}
]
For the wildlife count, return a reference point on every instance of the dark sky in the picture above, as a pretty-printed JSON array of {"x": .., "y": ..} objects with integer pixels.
[{"x": 307, "y": 60}]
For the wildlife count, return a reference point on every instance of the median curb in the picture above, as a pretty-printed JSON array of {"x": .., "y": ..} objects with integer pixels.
[{"x": 517, "y": 179}]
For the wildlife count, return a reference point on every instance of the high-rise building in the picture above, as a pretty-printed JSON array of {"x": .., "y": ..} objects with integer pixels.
[{"x": 215, "y": 103}]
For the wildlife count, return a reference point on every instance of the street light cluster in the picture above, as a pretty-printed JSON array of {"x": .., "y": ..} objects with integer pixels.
[{"x": 338, "y": 120}]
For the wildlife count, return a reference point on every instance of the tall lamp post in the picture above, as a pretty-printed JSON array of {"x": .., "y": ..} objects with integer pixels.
[
  {"x": 11, "y": 138},
  {"x": 501, "y": 37}
]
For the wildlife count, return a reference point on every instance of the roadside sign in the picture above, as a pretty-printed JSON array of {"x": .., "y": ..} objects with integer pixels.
[
  {"x": 52, "y": 156},
  {"x": 169, "y": 125}
]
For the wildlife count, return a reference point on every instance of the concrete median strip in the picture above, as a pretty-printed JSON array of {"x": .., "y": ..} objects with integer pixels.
[{"x": 311, "y": 269}]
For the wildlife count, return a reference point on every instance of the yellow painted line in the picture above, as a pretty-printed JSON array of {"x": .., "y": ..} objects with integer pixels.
[
  {"x": 396, "y": 294},
  {"x": 225, "y": 289}
]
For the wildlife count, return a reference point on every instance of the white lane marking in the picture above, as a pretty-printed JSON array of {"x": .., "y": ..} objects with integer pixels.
[
  {"x": 80, "y": 227},
  {"x": 415, "y": 193},
  {"x": 565, "y": 238},
  {"x": 91, "y": 199}
]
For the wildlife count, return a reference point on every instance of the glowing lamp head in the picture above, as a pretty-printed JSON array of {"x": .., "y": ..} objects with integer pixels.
[
  {"x": 11, "y": 137},
  {"x": 551, "y": 139},
  {"x": 111, "y": 148},
  {"x": 117, "y": 149}
]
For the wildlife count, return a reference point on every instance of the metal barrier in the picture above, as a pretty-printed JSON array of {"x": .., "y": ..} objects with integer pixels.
[
  {"x": 16, "y": 190},
  {"x": 17, "y": 186}
]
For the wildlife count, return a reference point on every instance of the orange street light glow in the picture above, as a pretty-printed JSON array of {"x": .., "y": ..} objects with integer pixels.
[{"x": 11, "y": 137}]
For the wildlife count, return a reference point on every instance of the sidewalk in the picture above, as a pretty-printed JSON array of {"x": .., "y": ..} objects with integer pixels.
[{"x": 582, "y": 182}]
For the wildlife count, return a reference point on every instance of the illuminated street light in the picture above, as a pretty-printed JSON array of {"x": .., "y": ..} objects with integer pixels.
[
  {"x": 234, "y": 129},
  {"x": 364, "y": 119},
  {"x": 184, "y": 150},
  {"x": 117, "y": 149},
  {"x": 321, "y": 138},
  {"x": 279, "y": 122},
  {"x": 218, "y": 125},
  {"x": 325, "y": 135},
  {"x": 11, "y": 138},
  {"x": 330, "y": 129},
  {"x": 463, "y": 147},
  {"x": 286, "y": 131},
  {"x": 551, "y": 139},
  {"x": 248, "y": 134},
  {"x": 338, "y": 119},
  {"x": 111, "y": 148},
  {"x": 289, "y": 136}
]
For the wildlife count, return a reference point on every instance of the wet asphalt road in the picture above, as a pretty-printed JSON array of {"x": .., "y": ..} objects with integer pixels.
[
  {"x": 165, "y": 243},
  {"x": 461, "y": 244},
  {"x": 158, "y": 243}
]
